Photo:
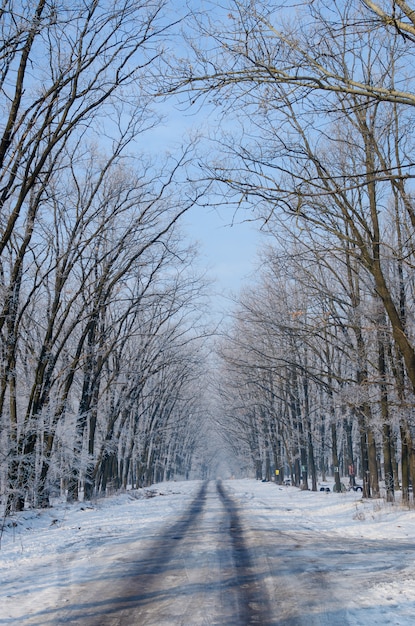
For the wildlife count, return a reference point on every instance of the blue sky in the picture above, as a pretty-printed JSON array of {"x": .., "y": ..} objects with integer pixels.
[
  {"x": 228, "y": 245},
  {"x": 228, "y": 251}
]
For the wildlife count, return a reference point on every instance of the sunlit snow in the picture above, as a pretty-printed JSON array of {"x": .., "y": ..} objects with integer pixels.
[{"x": 322, "y": 558}]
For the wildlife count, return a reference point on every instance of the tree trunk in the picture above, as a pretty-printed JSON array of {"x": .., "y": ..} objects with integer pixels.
[
  {"x": 335, "y": 458},
  {"x": 405, "y": 443},
  {"x": 373, "y": 464},
  {"x": 364, "y": 455}
]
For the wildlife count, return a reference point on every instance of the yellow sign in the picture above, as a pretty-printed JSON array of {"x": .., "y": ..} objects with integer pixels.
[{"x": 277, "y": 472}]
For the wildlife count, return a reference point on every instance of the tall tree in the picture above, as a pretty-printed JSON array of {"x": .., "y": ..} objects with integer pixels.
[{"x": 88, "y": 222}]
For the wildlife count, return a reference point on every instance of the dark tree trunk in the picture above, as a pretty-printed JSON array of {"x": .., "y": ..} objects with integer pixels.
[{"x": 335, "y": 458}]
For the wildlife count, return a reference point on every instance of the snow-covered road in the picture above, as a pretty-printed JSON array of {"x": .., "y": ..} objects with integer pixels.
[
  {"x": 231, "y": 553},
  {"x": 197, "y": 570}
]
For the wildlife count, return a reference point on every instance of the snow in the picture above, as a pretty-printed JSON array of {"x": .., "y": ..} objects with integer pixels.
[{"x": 336, "y": 557}]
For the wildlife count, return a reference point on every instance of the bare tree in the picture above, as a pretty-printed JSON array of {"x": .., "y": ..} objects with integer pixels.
[
  {"x": 88, "y": 226},
  {"x": 321, "y": 140}
]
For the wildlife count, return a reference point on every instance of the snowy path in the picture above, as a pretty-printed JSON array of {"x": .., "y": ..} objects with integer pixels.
[
  {"x": 230, "y": 554},
  {"x": 197, "y": 571}
]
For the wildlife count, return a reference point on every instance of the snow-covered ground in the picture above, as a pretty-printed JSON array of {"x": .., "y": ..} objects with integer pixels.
[{"x": 341, "y": 555}]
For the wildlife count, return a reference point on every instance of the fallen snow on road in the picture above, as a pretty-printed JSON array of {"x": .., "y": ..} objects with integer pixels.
[{"x": 44, "y": 554}]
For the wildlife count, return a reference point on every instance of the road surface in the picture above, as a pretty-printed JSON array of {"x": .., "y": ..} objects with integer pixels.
[{"x": 220, "y": 563}]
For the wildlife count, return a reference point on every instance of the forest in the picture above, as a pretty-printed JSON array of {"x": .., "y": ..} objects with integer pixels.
[{"x": 112, "y": 375}]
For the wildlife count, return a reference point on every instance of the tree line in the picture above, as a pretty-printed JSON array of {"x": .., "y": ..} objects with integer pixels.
[
  {"x": 101, "y": 347},
  {"x": 103, "y": 357},
  {"x": 317, "y": 144}
]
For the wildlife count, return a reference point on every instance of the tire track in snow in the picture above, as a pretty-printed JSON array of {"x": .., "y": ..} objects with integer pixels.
[
  {"x": 154, "y": 564},
  {"x": 253, "y": 602},
  {"x": 197, "y": 572},
  {"x": 145, "y": 581}
]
